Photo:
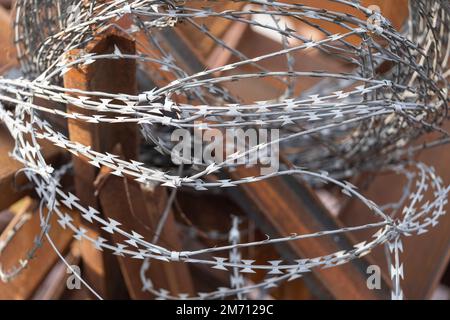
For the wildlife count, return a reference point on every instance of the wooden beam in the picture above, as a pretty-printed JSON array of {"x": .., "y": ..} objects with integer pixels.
[
  {"x": 24, "y": 285},
  {"x": 7, "y": 51},
  {"x": 425, "y": 256},
  {"x": 220, "y": 55},
  {"x": 111, "y": 76},
  {"x": 217, "y": 26},
  {"x": 5, "y": 218},
  {"x": 12, "y": 185},
  {"x": 282, "y": 206},
  {"x": 103, "y": 138},
  {"x": 55, "y": 283},
  {"x": 139, "y": 209},
  {"x": 6, "y": 3}
]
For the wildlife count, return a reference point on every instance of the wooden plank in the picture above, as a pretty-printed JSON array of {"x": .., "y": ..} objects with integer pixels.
[
  {"x": 396, "y": 11},
  {"x": 282, "y": 206},
  {"x": 8, "y": 192},
  {"x": 139, "y": 209},
  {"x": 217, "y": 26},
  {"x": 425, "y": 256},
  {"x": 55, "y": 283},
  {"x": 255, "y": 43},
  {"x": 12, "y": 185},
  {"x": 5, "y": 218},
  {"x": 6, "y": 3},
  {"x": 220, "y": 55},
  {"x": 24, "y": 285},
  {"x": 215, "y": 218},
  {"x": 111, "y": 76},
  {"x": 7, "y": 50},
  {"x": 104, "y": 137}
]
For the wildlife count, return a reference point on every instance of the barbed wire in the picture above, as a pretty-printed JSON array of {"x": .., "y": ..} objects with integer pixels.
[{"x": 351, "y": 120}]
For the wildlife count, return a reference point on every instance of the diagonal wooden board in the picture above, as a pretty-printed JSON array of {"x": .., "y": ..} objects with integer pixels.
[
  {"x": 139, "y": 209},
  {"x": 283, "y": 206},
  {"x": 425, "y": 256},
  {"x": 298, "y": 215},
  {"x": 7, "y": 50},
  {"x": 24, "y": 285},
  {"x": 12, "y": 184}
]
